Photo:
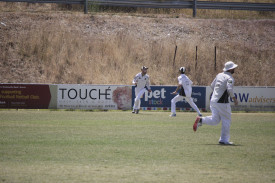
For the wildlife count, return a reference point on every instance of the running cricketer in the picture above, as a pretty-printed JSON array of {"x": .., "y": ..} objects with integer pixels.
[
  {"x": 222, "y": 87},
  {"x": 142, "y": 83},
  {"x": 185, "y": 87}
]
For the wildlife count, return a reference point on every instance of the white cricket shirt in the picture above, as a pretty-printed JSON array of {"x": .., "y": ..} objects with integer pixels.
[
  {"x": 222, "y": 87},
  {"x": 186, "y": 84},
  {"x": 142, "y": 81}
]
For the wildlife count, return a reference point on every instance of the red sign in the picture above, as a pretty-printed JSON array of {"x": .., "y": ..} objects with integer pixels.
[{"x": 24, "y": 96}]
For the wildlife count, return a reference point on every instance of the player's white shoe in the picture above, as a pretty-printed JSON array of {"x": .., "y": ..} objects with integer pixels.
[
  {"x": 226, "y": 143},
  {"x": 172, "y": 115},
  {"x": 134, "y": 111}
]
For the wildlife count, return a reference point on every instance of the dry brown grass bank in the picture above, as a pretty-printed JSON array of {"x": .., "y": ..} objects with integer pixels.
[{"x": 107, "y": 48}]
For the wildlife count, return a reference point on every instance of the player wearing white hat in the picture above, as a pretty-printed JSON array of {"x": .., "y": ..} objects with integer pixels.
[
  {"x": 185, "y": 87},
  {"x": 222, "y": 87},
  {"x": 142, "y": 83}
]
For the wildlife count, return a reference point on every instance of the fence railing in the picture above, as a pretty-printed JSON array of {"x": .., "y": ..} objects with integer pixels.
[{"x": 191, "y": 4}]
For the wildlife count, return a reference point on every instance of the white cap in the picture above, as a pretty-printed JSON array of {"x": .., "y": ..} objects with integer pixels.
[
  {"x": 229, "y": 65},
  {"x": 182, "y": 70}
]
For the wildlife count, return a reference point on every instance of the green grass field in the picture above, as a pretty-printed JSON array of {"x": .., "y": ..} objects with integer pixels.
[{"x": 80, "y": 146}]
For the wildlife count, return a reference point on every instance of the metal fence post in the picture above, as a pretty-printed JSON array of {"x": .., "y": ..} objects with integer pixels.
[
  {"x": 85, "y": 6},
  {"x": 194, "y": 8},
  {"x": 215, "y": 58},
  {"x": 196, "y": 58},
  {"x": 175, "y": 55}
]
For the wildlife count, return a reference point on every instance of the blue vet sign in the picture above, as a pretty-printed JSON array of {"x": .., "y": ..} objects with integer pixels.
[{"x": 161, "y": 97}]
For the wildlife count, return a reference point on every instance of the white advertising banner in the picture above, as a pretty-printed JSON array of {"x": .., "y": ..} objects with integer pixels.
[
  {"x": 251, "y": 98},
  {"x": 106, "y": 97}
]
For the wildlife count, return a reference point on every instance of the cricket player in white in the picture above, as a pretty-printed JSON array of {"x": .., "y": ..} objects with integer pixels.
[
  {"x": 185, "y": 87},
  {"x": 222, "y": 87},
  {"x": 142, "y": 83}
]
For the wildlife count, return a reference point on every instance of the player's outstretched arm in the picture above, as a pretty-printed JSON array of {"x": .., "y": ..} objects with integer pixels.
[{"x": 176, "y": 91}]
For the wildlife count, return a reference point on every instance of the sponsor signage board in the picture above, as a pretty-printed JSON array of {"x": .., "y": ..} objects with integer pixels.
[
  {"x": 106, "y": 97},
  {"x": 161, "y": 97},
  {"x": 25, "y": 96},
  {"x": 251, "y": 98},
  {"x": 121, "y": 97}
]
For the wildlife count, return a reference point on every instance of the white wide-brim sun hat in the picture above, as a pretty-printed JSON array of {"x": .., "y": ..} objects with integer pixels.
[{"x": 229, "y": 65}]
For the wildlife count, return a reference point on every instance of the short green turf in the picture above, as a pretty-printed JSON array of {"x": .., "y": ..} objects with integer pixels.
[{"x": 84, "y": 146}]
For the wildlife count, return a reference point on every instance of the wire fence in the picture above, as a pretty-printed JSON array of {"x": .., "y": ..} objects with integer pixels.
[{"x": 180, "y": 4}]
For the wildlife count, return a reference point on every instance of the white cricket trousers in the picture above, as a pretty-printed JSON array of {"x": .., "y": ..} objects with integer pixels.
[
  {"x": 180, "y": 98},
  {"x": 220, "y": 112},
  {"x": 138, "y": 92}
]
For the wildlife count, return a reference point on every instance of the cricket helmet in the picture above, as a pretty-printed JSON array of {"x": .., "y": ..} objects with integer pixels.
[
  {"x": 144, "y": 67},
  {"x": 182, "y": 70}
]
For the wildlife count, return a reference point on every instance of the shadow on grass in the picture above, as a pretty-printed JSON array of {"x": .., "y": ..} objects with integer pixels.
[
  {"x": 143, "y": 114},
  {"x": 233, "y": 145}
]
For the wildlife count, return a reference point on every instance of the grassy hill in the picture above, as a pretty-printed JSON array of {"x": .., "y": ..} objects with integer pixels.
[{"x": 47, "y": 44}]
